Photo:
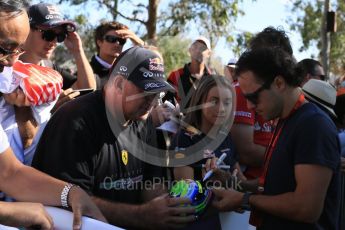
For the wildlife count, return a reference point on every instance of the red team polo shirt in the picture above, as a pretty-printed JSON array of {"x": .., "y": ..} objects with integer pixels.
[{"x": 262, "y": 130}]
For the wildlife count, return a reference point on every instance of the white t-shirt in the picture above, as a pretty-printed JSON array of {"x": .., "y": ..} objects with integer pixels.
[
  {"x": 8, "y": 81},
  {"x": 3, "y": 141},
  {"x": 9, "y": 125}
]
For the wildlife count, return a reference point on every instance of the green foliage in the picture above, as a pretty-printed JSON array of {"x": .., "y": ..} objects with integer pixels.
[
  {"x": 213, "y": 17},
  {"x": 308, "y": 23},
  {"x": 338, "y": 42},
  {"x": 61, "y": 55},
  {"x": 175, "y": 54},
  {"x": 241, "y": 42},
  {"x": 86, "y": 32},
  {"x": 64, "y": 59},
  {"x": 217, "y": 65},
  {"x": 111, "y": 5},
  {"x": 174, "y": 51}
]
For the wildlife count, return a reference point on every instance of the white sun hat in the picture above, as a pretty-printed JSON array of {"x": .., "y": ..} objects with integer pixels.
[{"x": 321, "y": 93}]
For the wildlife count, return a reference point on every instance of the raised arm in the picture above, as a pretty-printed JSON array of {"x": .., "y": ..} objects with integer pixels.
[
  {"x": 126, "y": 33},
  {"x": 85, "y": 76}
]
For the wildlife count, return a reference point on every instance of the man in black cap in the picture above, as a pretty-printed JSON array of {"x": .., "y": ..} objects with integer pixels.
[{"x": 100, "y": 141}]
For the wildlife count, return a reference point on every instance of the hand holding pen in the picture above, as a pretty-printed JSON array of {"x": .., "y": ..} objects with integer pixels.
[{"x": 218, "y": 162}]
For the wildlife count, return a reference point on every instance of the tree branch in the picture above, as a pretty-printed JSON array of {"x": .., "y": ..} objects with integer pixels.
[
  {"x": 131, "y": 19},
  {"x": 168, "y": 30}
]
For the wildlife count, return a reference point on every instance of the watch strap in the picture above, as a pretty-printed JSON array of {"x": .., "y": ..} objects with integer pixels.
[{"x": 245, "y": 201}]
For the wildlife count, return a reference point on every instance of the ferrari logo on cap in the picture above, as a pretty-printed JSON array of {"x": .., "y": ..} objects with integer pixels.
[{"x": 124, "y": 155}]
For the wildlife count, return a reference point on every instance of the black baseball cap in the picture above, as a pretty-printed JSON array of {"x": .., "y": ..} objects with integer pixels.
[
  {"x": 46, "y": 16},
  {"x": 144, "y": 68}
]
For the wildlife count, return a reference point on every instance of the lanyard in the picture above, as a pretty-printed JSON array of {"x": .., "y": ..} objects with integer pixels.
[{"x": 274, "y": 140}]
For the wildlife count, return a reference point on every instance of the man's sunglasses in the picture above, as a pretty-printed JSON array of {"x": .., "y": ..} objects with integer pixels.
[
  {"x": 114, "y": 39},
  {"x": 4, "y": 53},
  {"x": 254, "y": 97},
  {"x": 50, "y": 35}
]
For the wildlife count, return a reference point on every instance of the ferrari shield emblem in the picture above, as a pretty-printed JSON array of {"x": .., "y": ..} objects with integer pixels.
[{"x": 124, "y": 155}]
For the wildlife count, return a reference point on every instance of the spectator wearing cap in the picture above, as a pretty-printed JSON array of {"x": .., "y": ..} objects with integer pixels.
[
  {"x": 229, "y": 69},
  {"x": 310, "y": 69},
  {"x": 97, "y": 140},
  {"x": 47, "y": 28},
  {"x": 29, "y": 187},
  {"x": 110, "y": 37},
  {"x": 185, "y": 79}
]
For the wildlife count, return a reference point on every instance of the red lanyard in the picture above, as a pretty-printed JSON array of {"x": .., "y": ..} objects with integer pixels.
[{"x": 273, "y": 142}]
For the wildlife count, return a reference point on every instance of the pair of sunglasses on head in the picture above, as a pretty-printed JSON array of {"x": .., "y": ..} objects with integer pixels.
[{"x": 114, "y": 39}]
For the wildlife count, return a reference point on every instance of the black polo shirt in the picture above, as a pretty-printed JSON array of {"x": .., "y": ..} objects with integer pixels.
[{"x": 78, "y": 146}]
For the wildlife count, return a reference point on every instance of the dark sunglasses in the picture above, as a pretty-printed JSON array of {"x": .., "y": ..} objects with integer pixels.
[
  {"x": 254, "y": 97},
  {"x": 50, "y": 35},
  {"x": 4, "y": 53},
  {"x": 114, "y": 39}
]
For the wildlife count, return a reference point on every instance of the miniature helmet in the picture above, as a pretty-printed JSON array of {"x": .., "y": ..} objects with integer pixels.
[{"x": 193, "y": 190}]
